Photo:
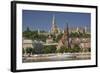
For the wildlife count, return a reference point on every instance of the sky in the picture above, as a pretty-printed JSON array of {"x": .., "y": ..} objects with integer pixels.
[{"x": 42, "y": 20}]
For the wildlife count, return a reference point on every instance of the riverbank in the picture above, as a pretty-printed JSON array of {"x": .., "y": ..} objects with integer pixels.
[{"x": 57, "y": 57}]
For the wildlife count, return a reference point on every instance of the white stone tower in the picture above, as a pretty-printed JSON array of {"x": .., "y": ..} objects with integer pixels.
[{"x": 54, "y": 29}]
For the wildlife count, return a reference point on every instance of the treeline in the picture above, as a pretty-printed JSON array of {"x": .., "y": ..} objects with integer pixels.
[
  {"x": 51, "y": 49},
  {"x": 33, "y": 35}
]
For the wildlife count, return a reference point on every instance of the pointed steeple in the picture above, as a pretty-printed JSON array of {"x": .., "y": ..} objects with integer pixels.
[
  {"x": 54, "y": 29},
  {"x": 64, "y": 41},
  {"x": 53, "y": 20},
  {"x": 67, "y": 35},
  {"x": 67, "y": 27}
]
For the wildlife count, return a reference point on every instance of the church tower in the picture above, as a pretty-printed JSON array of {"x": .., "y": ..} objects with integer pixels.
[
  {"x": 66, "y": 36},
  {"x": 54, "y": 28},
  {"x": 64, "y": 41}
]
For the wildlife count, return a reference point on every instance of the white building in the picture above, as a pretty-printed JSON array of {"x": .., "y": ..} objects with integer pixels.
[{"x": 27, "y": 43}]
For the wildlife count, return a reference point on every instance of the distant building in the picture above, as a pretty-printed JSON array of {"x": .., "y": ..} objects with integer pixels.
[
  {"x": 27, "y": 43},
  {"x": 79, "y": 30},
  {"x": 85, "y": 44},
  {"x": 49, "y": 39},
  {"x": 70, "y": 42}
]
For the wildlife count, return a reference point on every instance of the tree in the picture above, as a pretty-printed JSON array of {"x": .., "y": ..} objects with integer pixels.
[
  {"x": 68, "y": 50},
  {"x": 33, "y": 51},
  {"x": 58, "y": 37},
  {"x": 76, "y": 49},
  {"x": 29, "y": 50},
  {"x": 42, "y": 37},
  {"x": 23, "y": 51},
  {"x": 74, "y": 34},
  {"x": 61, "y": 50},
  {"x": 34, "y": 35},
  {"x": 49, "y": 49},
  {"x": 28, "y": 34},
  {"x": 38, "y": 46}
]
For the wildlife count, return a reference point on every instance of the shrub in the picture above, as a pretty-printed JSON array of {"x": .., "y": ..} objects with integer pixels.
[
  {"x": 37, "y": 48},
  {"x": 49, "y": 49},
  {"x": 29, "y": 50},
  {"x": 76, "y": 49},
  {"x": 23, "y": 50}
]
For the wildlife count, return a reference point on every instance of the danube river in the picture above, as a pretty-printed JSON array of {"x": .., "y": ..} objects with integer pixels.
[{"x": 56, "y": 57}]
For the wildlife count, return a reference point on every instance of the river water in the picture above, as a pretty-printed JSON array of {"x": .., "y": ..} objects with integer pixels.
[{"x": 56, "y": 57}]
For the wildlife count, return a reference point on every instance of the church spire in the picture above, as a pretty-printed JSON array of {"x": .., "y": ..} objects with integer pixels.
[
  {"x": 67, "y": 29},
  {"x": 68, "y": 35},
  {"x": 53, "y": 20},
  {"x": 54, "y": 28}
]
